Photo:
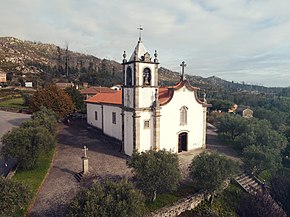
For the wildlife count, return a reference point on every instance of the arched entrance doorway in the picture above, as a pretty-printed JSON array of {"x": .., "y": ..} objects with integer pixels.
[{"x": 182, "y": 142}]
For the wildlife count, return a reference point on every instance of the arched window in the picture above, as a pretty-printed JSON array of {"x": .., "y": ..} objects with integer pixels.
[
  {"x": 129, "y": 76},
  {"x": 146, "y": 76},
  {"x": 183, "y": 116}
]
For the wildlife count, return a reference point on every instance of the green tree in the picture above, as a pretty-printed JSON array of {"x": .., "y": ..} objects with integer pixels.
[
  {"x": 209, "y": 171},
  {"x": 260, "y": 133},
  {"x": 13, "y": 196},
  {"x": 43, "y": 118},
  {"x": 259, "y": 205},
  {"x": 259, "y": 158},
  {"x": 109, "y": 199},
  {"x": 155, "y": 171},
  {"x": 222, "y": 105},
  {"x": 277, "y": 118},
  {"x": 76, "y": 97},
  {"x": 231, "y": 125},
  {"x": 52, "y": 98},
  {"x": 280, "y": 190},
  {"x": 25, "y": 145}
]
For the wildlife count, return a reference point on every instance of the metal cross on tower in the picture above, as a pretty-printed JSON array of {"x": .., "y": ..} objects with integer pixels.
[
  {"x": 183, "y": 65},
  {"x": 140, "y": 29}
]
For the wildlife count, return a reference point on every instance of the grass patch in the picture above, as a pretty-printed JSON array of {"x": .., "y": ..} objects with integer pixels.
[
  {"x": 161, "y": 201},
  {"x": 33, "y": 178},
  {"x": 228, "y": 201},
  {"x": 165, "y": 199},
  {"x": 14, "y": 103},
  {"x": 265, "y": 175}
]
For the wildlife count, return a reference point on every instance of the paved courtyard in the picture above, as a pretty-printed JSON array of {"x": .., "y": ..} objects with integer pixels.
[
  {"x": 60, "y": 185},
  {"x": 105, "y": 160}
]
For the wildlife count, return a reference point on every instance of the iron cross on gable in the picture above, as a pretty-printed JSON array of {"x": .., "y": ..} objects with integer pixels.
[
  {"x": 85, "y": 150},
  {"x": 183, "y": 65}
]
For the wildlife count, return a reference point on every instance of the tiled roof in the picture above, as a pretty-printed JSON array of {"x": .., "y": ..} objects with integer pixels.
[
  {"x": 165, "y": 94},
  {"x": 95, "y": 90},
  {"x": 107, "y": 98}
]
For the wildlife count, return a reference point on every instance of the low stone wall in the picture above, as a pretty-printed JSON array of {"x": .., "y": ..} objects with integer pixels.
[{"x": 179, "y": 207}]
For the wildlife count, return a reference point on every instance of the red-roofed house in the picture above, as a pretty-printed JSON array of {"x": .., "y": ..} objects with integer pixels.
[
  {"x": 145, "y": 116},
  {"x": 91, "y": 91}
]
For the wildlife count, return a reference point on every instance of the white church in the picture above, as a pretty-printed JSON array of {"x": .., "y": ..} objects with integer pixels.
[{"x": 145, "y": 116}]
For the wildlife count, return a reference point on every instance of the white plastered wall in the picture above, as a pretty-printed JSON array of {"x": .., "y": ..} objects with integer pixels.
[
  {"x": 111, "y": 129},
  {"x": 128, "y": 133},
  {"x": 145, "y": 133},
  {"x": 91, "y": 108},
  {"x": 170, "y": 121}
]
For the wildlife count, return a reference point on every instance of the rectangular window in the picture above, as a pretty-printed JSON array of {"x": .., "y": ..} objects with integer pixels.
[
  {"x": 146, "y": 124},
  {"x": 114, "y": 117},
  {"x": 96, "y": 115}
]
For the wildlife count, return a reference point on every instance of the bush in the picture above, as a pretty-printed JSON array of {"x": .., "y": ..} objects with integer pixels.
[
  {"x": 25, "y": 145},
  {"x": 155, "y": 171},
  {"x": 13, "y": 196},
  {"x": 109, "y": 199}
]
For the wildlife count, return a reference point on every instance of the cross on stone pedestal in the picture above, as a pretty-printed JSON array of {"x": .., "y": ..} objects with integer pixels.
[
  {"x": 85, "y": 150},
  {"x": 85, "y": 161},
  {"x": 183, "y": 65}
]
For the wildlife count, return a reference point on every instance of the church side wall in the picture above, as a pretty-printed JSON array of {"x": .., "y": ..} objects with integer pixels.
[
  {"x": 128, "y": 133},
  {"x": 170, "y": 126},
  {"x": 110, "y": 128},
  {"x": 91, "y": 119}
]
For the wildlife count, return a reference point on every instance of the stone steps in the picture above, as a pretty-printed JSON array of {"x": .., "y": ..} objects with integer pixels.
[
  {"x": 79, "y": 176},
  {"x": 248, "y": 183}
]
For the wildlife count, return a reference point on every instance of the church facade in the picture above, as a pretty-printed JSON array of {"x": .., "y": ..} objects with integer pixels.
[{"x": 145, "y": 116}]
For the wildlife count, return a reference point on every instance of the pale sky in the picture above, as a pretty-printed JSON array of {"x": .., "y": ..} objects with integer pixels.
[{"x": 237, "y": 40}]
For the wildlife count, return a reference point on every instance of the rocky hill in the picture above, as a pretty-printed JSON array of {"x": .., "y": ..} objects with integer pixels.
[{"x": 41, "y": 63}]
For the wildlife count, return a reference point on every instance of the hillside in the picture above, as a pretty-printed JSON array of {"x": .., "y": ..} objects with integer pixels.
[{"x": 41, "y": 63}]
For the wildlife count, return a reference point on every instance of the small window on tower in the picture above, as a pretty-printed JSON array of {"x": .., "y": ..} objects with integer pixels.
[
  {"x": 146, "y": 124},
  {"x": 96, "y": 115},
  {"x": 129, "y": 76},
  {"x": 146, "y": 77},
  {"x": 114, "y": 117}
]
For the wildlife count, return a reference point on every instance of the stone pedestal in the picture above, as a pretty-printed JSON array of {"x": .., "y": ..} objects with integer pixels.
[{"x": 85, "y": 165}]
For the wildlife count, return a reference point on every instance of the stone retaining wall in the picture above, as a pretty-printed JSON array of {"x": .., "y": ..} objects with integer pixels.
[{"x": 179, "y": 207}]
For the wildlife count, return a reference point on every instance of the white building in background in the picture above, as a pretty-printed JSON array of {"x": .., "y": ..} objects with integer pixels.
[{"x": 145, "y": 116}]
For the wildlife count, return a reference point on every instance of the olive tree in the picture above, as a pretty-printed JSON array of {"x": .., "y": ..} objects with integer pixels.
[
  {"x": 208, "y": 171},
  {"x": 155, "y": 171},
  {"x": 108, "y": 199}
]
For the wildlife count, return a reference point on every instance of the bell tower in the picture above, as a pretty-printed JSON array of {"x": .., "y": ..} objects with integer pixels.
[{"x": 140, "y": 83}]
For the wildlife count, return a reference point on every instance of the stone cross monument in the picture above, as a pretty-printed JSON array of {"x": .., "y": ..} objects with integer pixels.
[{"x": 85, "y": 161}]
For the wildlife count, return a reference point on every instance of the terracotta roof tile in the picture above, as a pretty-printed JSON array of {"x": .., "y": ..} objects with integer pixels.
[
  {"x": 107, "y": 98},
  {"x": 95, "y": 90},
  {"x": 165, "y": 94}
]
